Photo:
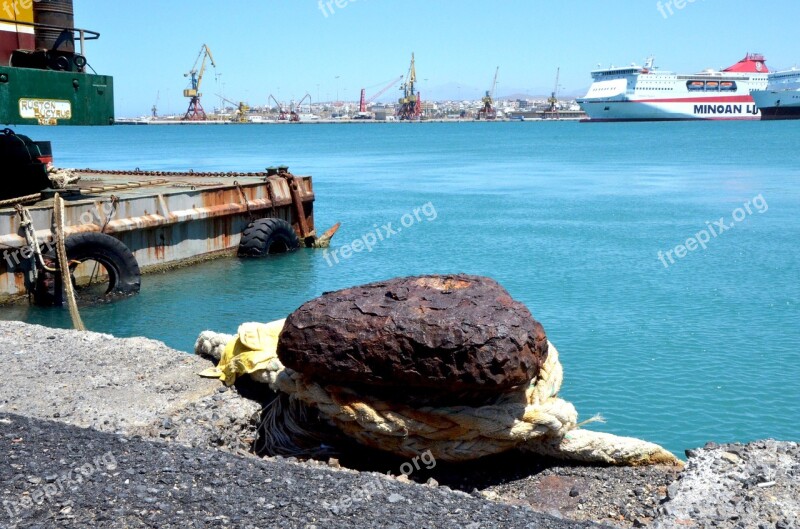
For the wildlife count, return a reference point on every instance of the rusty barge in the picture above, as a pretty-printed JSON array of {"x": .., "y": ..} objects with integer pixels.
[{"x": 159, "y": 220}]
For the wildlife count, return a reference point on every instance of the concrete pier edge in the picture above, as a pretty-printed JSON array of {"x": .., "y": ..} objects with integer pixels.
[{"x": 73, "y": 400}]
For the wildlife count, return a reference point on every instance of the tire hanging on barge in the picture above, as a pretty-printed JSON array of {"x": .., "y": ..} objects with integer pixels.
[
  {"x": 270, "y": 236},
  {"x": 116, "y": 260}
]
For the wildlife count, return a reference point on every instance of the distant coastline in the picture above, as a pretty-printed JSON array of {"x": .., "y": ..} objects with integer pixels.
[{"x": 146, "y": 121}]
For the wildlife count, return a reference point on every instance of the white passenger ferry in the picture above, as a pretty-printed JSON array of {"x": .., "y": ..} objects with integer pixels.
[
  {"x": 645, "y": 93},
  {"x": 781, "y": 98}
]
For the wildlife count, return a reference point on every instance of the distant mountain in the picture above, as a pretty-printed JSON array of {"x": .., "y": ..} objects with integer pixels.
[
  {"x": 450, "y": 92},
  {"x": 520, "y": 95},
  {"x": 540, "y": 93}
]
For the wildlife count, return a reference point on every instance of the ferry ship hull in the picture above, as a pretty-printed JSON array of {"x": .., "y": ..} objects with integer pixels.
[
  {"x": 781, "y": 98},
  {"x": 779, "y": 105},
  {"x": 737, "y": 108}
]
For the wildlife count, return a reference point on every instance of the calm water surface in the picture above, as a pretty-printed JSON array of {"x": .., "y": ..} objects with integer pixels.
[{"x": 568, "y": 217}]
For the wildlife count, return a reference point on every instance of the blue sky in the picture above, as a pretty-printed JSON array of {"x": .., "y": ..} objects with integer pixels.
[{"x": 291, "y": 47}]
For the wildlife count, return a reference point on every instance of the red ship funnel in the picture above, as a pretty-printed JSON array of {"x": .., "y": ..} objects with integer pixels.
[{"x": 752, "y": 63}]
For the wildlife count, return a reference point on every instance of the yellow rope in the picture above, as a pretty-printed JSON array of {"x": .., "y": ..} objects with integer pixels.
[
  {"x": 63, "y": 263},
  {"x": 531, "y": 418}
]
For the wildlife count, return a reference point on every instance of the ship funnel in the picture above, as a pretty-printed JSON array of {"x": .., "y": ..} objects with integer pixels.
[{"x": 752, "y": 63}]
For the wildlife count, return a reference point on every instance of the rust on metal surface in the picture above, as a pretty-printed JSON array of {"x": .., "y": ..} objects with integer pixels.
[
  {"x": 219, "y": 233},
  {"x": 438, "y": 336},
  {"x": 325, "y": 240},
  {"x": 19, "y": 282},
  {"x": 156, "y": 244},
  {"x": 297, "y": 202}
]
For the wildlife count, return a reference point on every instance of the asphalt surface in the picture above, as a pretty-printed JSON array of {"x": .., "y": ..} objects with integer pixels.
[{"x": 63, "y": 476}]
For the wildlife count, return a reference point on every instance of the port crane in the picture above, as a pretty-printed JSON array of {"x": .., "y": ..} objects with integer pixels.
[
  {"x": 411, "y": 102},
  {"x": 195, "y": 111},
  {"x": 242, "y": 110},
  {"x": 553, "y": 99},
  {"x": 296, "y": 109},
  {"x": 283, "y": 114},
  {"x": 154, "y": 110},
  {"x": 489, "y": 111},
  {"x": 362, "y": 107},
  {"x": 290, "y": 114}
]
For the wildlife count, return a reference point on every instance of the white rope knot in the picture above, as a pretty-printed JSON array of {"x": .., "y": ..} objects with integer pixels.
[
  {"x": 531, "y": 418},
  {"x": 61, "y": 178}
]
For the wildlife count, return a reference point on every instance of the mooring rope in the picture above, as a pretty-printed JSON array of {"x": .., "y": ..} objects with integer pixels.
[
  {"x": 63, "y": 263},
  {"x": 531, "y": 418},
  {"x": 21, "y": 200},
  {"x": 62, "y": 178}
]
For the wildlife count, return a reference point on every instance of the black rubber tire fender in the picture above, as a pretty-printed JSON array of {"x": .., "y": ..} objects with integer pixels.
[
  {"x": 269, "y": 236},
  {"x": 124, "y": 276}
]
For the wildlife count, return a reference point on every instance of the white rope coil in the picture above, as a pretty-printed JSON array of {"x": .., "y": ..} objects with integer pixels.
[{"x": 531, "y": 418}]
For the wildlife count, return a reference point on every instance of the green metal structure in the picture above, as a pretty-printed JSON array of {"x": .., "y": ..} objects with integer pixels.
[
  {"x": 44, "y": 73},
  {"x": 47, "y": 97}
]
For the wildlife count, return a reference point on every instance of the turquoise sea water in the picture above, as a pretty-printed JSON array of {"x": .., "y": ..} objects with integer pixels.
[{"x": 568, "y": 217}]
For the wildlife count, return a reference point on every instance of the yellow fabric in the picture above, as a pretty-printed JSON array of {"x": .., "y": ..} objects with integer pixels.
[{"x": 254, "y": 349}]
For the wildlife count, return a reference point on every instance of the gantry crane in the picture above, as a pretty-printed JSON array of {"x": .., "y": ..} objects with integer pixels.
[
  {"x": 242, "y": 110},
  {"x": 195, "y": 111},
  {"x": 411, "y": 102},
  {"x": 362, "y": 107},
  {"x": 553, "y": 99},
  {"x": 489, "y": 111}
]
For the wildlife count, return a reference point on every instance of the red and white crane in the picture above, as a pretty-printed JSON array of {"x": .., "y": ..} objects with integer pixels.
[{"x": 362, "y": 108}]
